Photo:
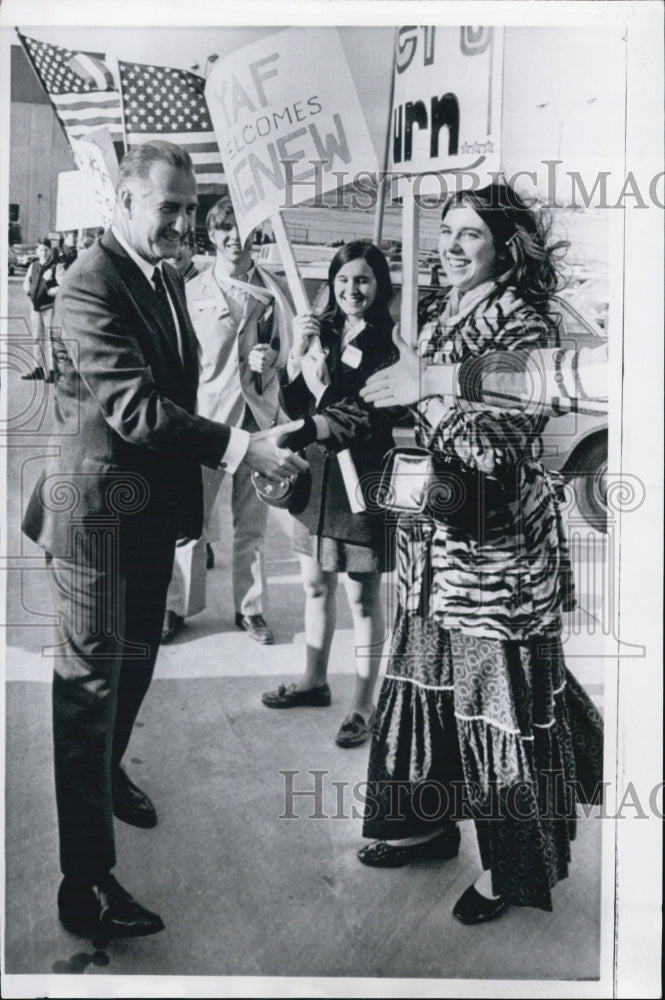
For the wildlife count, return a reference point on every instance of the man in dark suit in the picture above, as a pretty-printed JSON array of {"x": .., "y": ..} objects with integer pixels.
[{"x": 123, "y": 483}]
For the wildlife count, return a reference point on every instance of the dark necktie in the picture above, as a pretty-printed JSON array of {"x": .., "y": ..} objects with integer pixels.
[{"x": 162, "y": 295}]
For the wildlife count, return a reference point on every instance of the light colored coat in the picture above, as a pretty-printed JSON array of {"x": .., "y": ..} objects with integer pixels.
[{"x": 226, "y": 382}]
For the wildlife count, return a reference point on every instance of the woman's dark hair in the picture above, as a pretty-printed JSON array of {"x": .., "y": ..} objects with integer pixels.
[
  {"x": 526, "y": 260},
  {"x": 356, "y": 250}
]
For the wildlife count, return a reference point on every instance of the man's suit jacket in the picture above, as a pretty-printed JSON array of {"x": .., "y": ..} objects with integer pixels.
[
  {"x": 128, "y": 445},
  {"x": 224, "y": 347}
]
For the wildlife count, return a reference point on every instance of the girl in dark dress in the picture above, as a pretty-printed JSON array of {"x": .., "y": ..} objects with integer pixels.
[{"x": 332, "y": 357}]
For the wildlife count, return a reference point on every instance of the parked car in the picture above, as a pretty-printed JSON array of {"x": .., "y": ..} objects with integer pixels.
[
  {"x": 575, "y": 444},
  {"x": 24, "y": 255}
]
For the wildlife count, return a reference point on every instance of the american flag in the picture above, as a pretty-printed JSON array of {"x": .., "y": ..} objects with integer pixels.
[
  {"x": 169, "y": 104},
  {"x": 81, "y": 88}
]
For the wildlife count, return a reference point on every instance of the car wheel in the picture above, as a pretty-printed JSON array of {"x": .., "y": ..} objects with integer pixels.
[{"x": 590, "y": 481}]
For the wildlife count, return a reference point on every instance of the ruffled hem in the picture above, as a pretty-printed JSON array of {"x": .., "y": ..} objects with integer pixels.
[{"x": 483, "y": 730}]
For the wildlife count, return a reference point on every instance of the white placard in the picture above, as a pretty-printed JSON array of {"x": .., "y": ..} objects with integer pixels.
[
  {"x": 446, "y": 109},
  {"x": 288, "y": 97},
  {"x": 99, "y": 165},
  {"x": 76, "y": 207}
]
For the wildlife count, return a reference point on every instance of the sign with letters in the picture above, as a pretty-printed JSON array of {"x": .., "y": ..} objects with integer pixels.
[
  {"x": 446, "y": 109},
  {"x": 288, "y": 121},
  {"x": 96, "y": 159}
]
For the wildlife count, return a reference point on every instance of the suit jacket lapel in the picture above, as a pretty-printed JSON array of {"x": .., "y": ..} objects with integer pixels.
[{"x": 142, "y": 292}]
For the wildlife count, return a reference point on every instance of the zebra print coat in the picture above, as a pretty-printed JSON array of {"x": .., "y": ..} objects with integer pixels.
[{"x": 514, "y": 582}]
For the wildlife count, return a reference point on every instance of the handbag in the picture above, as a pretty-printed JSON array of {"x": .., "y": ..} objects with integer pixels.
[
  {"x": 414, "y": 480},
  {"x": 290, "y": 494}
]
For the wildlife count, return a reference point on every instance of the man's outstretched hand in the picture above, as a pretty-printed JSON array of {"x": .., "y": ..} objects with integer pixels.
[{"x": 267, "y": 455}]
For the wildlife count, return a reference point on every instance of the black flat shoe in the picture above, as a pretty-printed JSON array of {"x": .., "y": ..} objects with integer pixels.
[
  {"x": 36, "y": 375},
  {"x": 290, "y": 697},
  {"x": 442, "y": 847},
  {"x": 354, "y": 730},
  {"x": 474, "y": 908},
  {"x": 104, "y": 909},
  {"x": 130, "y": 804}
]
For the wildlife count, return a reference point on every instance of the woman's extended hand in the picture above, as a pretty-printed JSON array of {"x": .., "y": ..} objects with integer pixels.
[{"x": 399, "y": 385}]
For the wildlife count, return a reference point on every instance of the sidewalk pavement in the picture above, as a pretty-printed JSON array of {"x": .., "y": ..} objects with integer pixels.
[{"x": 242, "y": 890}]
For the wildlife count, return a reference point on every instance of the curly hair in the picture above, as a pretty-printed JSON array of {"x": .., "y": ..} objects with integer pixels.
[
  {"x": 378, "y": 312},
  {"x": 526, "y": 259}
]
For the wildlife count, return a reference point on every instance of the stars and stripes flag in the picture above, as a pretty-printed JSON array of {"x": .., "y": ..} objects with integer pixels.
[
  {"x": 169, "y": 104},
  {"x": 81, "y": 88}
]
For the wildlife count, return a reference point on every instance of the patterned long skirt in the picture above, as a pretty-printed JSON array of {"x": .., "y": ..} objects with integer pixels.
[{"x": 496, "y": 731}]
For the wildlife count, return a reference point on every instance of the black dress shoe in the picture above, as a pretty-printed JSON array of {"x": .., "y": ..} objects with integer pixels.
[
  {"x": 291, "y": 697},
  {"x": 441, "y": 847},
  {"x": 474, "y": 908},
  {"x": 130, "y": 804},
  {"x": 173, "y": 625},
  {"x": 105, "y": 909},
  {"x": 255, "y": 627},
  {"x": 36, "y": 375}
]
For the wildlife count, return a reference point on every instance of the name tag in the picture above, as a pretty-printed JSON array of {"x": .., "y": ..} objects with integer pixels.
[{"x": 352, "y": 356}]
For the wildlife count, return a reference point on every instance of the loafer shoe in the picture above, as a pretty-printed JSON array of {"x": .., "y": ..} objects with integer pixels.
[
  {"x": 441, "y": 847},
  {"x": 104, "y": 908},
  {"x": 255, "y": 627},
  {"x": 354, "y": 730},
  {"x": 173, "y": 625},
  {"x": 130, "y": 804},
  {"x": 474, "y": 908},
  {"x": 291, "y": 697}
]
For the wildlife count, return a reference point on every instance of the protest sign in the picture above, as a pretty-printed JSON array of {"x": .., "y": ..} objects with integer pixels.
[
  {"x": 445, "y": 120},
  {"x": 446, "y": 108},
  {"x": 96, "y": 159},
  {"x": 76, "y": 205},
  {"x": 288, "y": 120}
]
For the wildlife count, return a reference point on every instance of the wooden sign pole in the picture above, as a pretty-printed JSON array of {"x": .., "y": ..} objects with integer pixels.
[
  {"x": 410, "y": 242},
  {"x": 293, "y": 278}
]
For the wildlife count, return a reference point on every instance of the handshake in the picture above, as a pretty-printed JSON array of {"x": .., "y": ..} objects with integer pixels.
[{"x": 272, "y": 452}]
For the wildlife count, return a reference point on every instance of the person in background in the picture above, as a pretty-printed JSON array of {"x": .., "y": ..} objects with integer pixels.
[
  {"x": 67, "y": 255},
  {"x": 41, "y": 285},
  {"x": 342, "y": 434},
  {"x": 242, "y": 321},
  {"x": 183, "y": 260},
  {"x": 477, "y": 695}
]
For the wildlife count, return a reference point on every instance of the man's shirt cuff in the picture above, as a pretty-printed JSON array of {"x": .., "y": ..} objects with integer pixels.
[{"x": 236, "y": 450}]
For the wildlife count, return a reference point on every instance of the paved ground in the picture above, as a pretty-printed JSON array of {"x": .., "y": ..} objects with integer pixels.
[{"x": 242, "y": 891}]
